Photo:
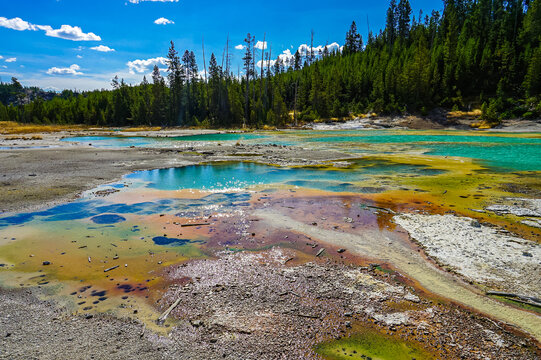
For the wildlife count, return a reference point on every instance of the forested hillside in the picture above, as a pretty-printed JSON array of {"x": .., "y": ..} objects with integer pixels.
[{"x": 483, "y": 53}]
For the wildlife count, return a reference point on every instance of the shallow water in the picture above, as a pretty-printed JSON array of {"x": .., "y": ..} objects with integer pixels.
[
  {"x": 506, "y": 151},
  {"x": 140, "y": 141},
  {"x": 239, "y": 175}
]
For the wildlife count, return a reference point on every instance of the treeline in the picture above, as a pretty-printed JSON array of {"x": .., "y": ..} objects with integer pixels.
[{"x": 482, "y": 53}]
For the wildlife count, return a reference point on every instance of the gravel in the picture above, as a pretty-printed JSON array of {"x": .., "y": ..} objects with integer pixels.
[{"x": 478, "y": 252}]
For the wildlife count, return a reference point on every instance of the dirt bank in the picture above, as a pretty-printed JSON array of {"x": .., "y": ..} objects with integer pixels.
[{"x": 437, "y": 121}]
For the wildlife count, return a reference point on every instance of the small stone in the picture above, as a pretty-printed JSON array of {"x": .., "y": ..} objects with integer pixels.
[
  {"x": 46, "y": 263},
  {"x": 475, "y": 224},
  {"x": 413, "y": 298},
  {"x": 527, "y": 254},
  {"x": 89, "y": 316},
  {"x": 341, "y": 251}
]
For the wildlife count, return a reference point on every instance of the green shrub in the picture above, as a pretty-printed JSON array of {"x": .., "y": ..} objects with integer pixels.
[
  {"x": 489, "y": 112},
  {"x": 529, "y": 115}
]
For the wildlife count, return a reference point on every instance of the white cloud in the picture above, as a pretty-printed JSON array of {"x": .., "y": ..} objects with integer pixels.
[
  {"x": 10, "y": 60},
  {"x": 334, "y": 47},
  {"x": 67, "y": 32},
  {"x": 261, "y": 45},
  {"x": 52, "y": 88},
  {"x": 202, "y": 74},
  {"x": 304, "y": 49},
  {"x": 265, "y": 63},
  {"x": 72, "y": 70},
  {"x": 79, "y": 57},
  {"x": 141, "y": 66},
  {"x": 83, "y": 82},
  {"x": 140, "y": 1},
  {"x": 163, "y": 21},
  {"x": 16, "y": 24},
  {"x": 102, "y": 48},
  {"x": 240, "y": 47},
  {"x": 1, "y": 57},
  {"x": 288, "y": 59}
]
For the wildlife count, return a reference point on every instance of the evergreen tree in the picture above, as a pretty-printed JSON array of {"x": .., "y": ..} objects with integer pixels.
[
  {"x": 391, "y": 23},
  {"x": 159, "y": 107},
  {"x": 475, "y": 52},
  {"x": 248, "y": 59},
  {"x": 353, "y": 40},
  {"x": 404, "y": 18},
  {"x": 297, "y": 61},
  {"x": 176, "y": 78}
]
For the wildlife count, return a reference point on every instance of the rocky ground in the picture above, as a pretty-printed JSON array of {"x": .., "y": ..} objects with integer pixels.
[
  {"x": 255, "y": 306},
  {"x": 34, "y": 329},
  {"x": 238, "y": 305},
  {"x": 478, "y": 252},
  {"x": 436, "y": 120}
]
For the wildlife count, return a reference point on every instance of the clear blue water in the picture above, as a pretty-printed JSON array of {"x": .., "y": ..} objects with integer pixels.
[
  {"x": 506, "y": 153},
  {"x": 360, "y": 137},
  {"x": 508, "y": 157},
  {"x": 140, "y": 141},
  {"x": 24, "y": 147},
  {"x": 101, "y": 211},
  {"x": 234, "y": 176},
  {"x": 241, "y": 175}
]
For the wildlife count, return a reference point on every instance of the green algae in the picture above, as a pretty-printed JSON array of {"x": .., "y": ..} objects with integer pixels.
[
  {"x": 370, "y": 344},
  {"x": 520, "y": 305}
]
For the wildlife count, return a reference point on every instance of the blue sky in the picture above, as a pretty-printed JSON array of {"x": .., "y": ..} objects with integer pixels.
[{"x": 76, "y": 44}]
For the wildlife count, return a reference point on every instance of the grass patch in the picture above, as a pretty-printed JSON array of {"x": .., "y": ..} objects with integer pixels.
[
  {"x": 14, "y": 128},
  {"x": 142, "y": 128},
  {"x": 370, "y": 344},
  {"x": 517, "y": 304}
]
